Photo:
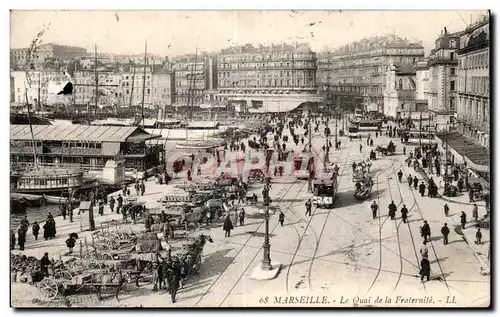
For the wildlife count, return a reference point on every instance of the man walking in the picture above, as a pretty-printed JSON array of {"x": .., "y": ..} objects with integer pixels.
[
  {"x": 415, "y": 182},
  {"x": 475, "y": 212},
  {"x": 410, "y": 180},
  {"x": 479, "y": 236},
  {"x": 425, "y": 269},
  {"x": 35, "y": 229},
  {"x": 392, "y": 210},
  {"x": 374, "y": 208},
  {"x": 404, "y": 214},
  {"x": 111, "y": 204},
  {"x": 308, "y": 207},
  {"x": 425, "y": 231},
  {"x": 424, "y": 251},
  {"x": 228, "y": 226},
  {"x": 422, "y": 189},
  {"x": 446, "y": 210},
  {"x": 242, "y": 217},
  {"x": 445, "y": 231},
  {"x": 400, "y": 175},
  {"x": 281, "y": 218},
  {"x": 463, "y": 219},
  {"x": 119, "y": 203}
]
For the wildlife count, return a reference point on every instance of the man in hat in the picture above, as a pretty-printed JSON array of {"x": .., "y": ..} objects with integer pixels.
[
  {"x": 425, "y": 231},
  {"x": 445, "y": 231},
  {"x": 119, "y": 202},
  {"x": 374, "y": 208},
  {"x": 44, "y": 264},
  {"x": 404, "y": 213},
  {"x": 425, "y": 269},
  {"x": 35, "y": 229},
  {"x": 70, "y": 243}
]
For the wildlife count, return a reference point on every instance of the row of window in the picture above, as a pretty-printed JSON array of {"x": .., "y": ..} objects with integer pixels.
[
  {"x": 474, "y": 61},
  {"x": 65, "y": 144},
  {"x": 264, "y": 75},
  {"x": 268, "y": 83},
  {"x": 261, "y": 57},
  {"x": 31, "y": 183},
  {"x": 475, "y": 85}
]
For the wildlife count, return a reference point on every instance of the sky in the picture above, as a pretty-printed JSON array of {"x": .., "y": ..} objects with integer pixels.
[{"x": 171, "y": 33}]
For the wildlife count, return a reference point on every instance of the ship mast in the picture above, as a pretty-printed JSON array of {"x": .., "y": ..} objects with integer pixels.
[
  {"x": 29, "y": 122},
  {"x": 144, "y": 81}
]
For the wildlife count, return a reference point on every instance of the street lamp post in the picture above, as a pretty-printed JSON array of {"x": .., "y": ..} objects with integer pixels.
[{"x": 266, "y": 261}]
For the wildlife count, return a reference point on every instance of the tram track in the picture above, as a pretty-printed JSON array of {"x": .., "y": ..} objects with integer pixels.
[
  {"x": 245, "y": 244},
  {"x": 327, "y": 216},
  {"x": 301, "y": 237},
  {"x": 409, "y": 229},
  {"x": 431, "y": 243}
]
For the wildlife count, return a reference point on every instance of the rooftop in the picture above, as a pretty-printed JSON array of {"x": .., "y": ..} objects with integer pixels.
[{"x": 77, "y": 132}]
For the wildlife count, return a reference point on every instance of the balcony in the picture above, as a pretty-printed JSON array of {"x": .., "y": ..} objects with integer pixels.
[{"x": 442, "y": 60}]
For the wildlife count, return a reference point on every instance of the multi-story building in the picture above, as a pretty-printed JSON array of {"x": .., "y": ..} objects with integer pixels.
[
  {"x": 473, "y": 111},
  {"x": 422, "y": 80},
  {"x": 353, "y": 75},
  {"x": 277, "y": 78},
  {"x": 442, "y": 65},
  {"x": 38, "y": 86},
  {"x": 44, "y": 54},
  {"x": 400, "y": 89},
  {"x": 190, "y": 79},
  {"x": 159, "y": 87}
]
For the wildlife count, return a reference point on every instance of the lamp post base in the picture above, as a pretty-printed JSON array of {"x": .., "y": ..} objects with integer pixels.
[{"x": 261, "y": 274}]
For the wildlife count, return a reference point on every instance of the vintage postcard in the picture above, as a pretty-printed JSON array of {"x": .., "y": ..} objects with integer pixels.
[{"x": 250, "y": 159}]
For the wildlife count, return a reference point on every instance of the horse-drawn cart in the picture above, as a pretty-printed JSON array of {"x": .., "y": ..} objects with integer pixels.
[{"x": 389, "y": 150}]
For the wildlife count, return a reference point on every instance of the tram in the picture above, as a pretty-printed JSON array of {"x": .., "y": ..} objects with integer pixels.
[
  {"x": 302, "y": 169},
  {"x": 417, "y": 137},
  {"x": 325, "y": 191}
]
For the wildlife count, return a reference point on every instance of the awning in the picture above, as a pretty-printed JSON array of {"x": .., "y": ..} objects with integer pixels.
[{"x": 476, "y": 156}]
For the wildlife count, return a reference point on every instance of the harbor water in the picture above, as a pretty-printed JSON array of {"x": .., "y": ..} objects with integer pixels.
[{"x": 38, "y": 214}]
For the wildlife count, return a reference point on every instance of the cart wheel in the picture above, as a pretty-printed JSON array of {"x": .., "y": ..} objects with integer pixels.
[{"x": 48, "y": 288}]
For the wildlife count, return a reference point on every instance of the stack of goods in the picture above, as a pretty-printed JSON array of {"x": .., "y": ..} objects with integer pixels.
[{"x": 25, "y": 269}]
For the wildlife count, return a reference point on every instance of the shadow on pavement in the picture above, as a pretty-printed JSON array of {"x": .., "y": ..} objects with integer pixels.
[{"x": 440, "y": 260}]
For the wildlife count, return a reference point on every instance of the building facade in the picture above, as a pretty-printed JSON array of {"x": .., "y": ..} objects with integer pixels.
[
  {"x": 422, "y": 80},
  {"x": 442, "y": 65},
  {"x": 353, "y": 75},
  {"x": 45, "y": 54},
  {"x": 191, "y": 75},
  {"x": 473, "y": 110},
  {"x": 38, "y": 87},
  {"x": 277, "y": 78},
  {"x": 400, "y": 89}
]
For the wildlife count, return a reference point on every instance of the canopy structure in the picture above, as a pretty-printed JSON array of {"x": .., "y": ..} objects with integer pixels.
[{"x": 476, "y": 156}]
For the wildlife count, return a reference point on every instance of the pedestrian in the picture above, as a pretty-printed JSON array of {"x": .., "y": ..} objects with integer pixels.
[
  {"x": 119, "y": 204},
  {"x": 422, "y": 189},
  {"x": 400, "y": 176},
  {"x": 21, "y": 237},
  {"x": 70, "y": 243},
  {"x": 425, "y": 231},
  {"x": 173, "y": 284},
  {"x": 471, "y": 196},
  {"x": 124, "y": 190},
  {"x": 479, "y": 236},
  {"x": 111, "y": 204},
  {"x": 44, "y": 264},
  {"x": 463, "y": 219},
  {"x": 142, "y": 187},
  {"x": 404, "y": 213},
  {"x": 404, "y": 150},
  {"x": 35, "y": 229},
  {"x": 128, "y": 192},
  {"x": 392, "y": 210},
  {"x": 374, "y": 208},
  {"x": 101, "y": 208},
  {"x": 62, "y": 208},
  {"x": 446, "y": 210},
  {"x": 360, "y": 148},
  {"x": 156, "y": 276},
  {"x": 424, "y": 250},
  {"x": 242, "y": 217},
  {"x": 415, "y": 182},
  {"x": 425, "y": 269},
  {"x": 281, "y": 218},
  {"x": 12, "y": 239},
  {"x": 236, "y": 218},
  {"x": 308, "y": 207},
  {"x": 228, "y": 226},
  {"x": 475, "y": 212},
  {"x": 137, "y": 187},
  {"x": 445, "y": 231},
  {"x": 25, "y": 223},
  {"x": 410, "y": 180}
]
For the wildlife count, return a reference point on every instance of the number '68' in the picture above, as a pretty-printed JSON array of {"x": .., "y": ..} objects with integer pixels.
[{"x": 263, "y": 300}]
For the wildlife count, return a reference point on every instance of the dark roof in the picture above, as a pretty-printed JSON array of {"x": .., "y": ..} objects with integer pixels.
[
  {"x": 75, "y": 132},
  {"x": 23, "y": 119},
  {"x": 476, "y": 153}
]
